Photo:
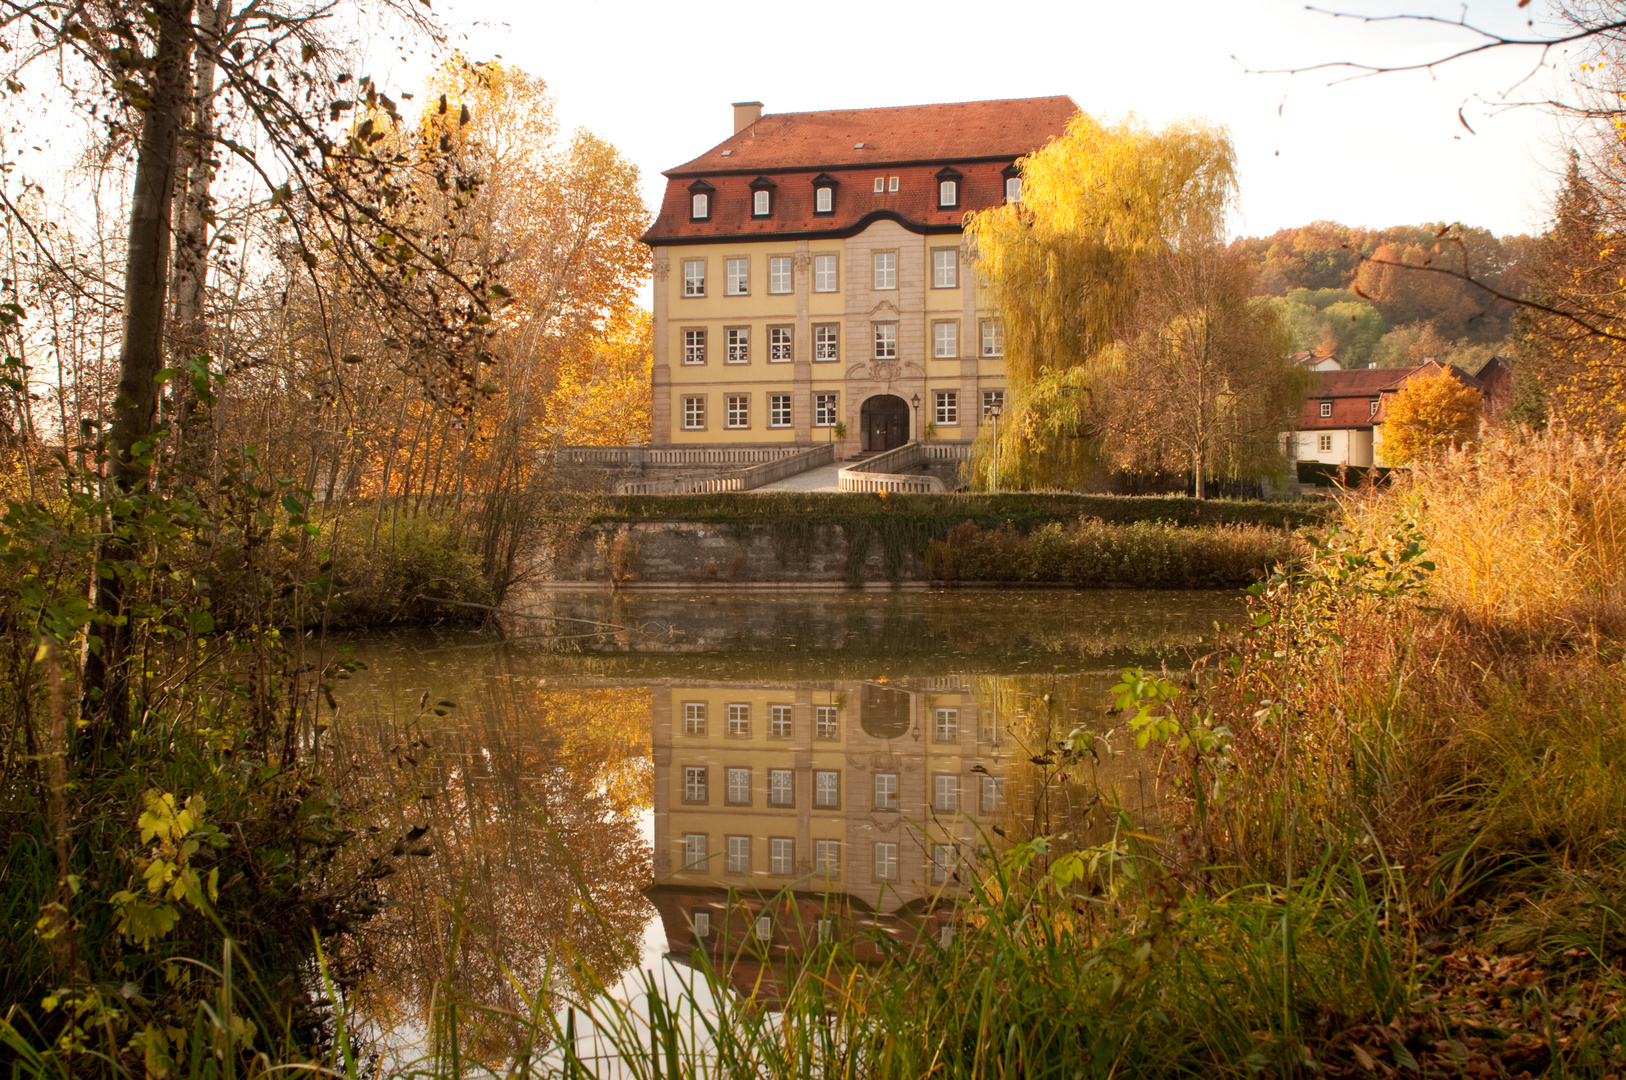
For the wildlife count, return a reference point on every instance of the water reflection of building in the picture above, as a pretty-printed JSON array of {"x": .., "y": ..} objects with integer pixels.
[{"x": 784, "y": 816}]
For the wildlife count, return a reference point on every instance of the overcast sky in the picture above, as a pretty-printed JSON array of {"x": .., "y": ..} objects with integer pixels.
[{"x": 656, "y": 79}]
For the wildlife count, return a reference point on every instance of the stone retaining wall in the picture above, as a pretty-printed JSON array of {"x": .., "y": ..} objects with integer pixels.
[{"x": 673, "y": 552}]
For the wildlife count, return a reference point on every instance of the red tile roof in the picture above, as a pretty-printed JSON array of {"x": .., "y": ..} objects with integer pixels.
[
  {"x": 950, "y": 132},
  {"x": 1351, "y": 394}
]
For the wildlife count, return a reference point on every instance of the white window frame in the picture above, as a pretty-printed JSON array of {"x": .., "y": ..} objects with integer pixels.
[
  {"x": 737, "y": 414},
  {"x": 779, "y": 410},
  {"x": 781, "y": 275},
  {"x": 696, "y": 784},
  {"x": 826, "y": 718},
  {"x": 826, "y": 410},
  {"x": 891, "y": 183},
  {"x": 884, "y": 270},
  {"x": 1326, "y": 409},
  {"x": 1013, "y": 189},
  {"x": 701, "y": 922},
  {"x": 992, "y": 399},
  {"x": 694, "y": 718},
  {"x": 738, "y": 854},
  {"x": 948, "y": 194},
  {"x": 945, "y": 792},
  {"x": 945, "y": 340},
  {"x": 886, "y": 861},
  {"x": 694, "y": 412},
  {"x": 781, "y": 344},
  {"x": 826, "y": 861},
  {"x": 827, "y": 789},
  {"x": 942, "y": 862},
  {"x": 780, "y": 721},
  {"x": 826, "y": 342},
  {"x": 826, "y": 272},
  {"x": 824, "y": 199},
  {"x": 1323, "y": 444},
  {"x": 781, "y": 787},
  {"x": 739, "y": 719},
  {"x": 764, "y": 928},
  {"x": 699, "y": 206},
  {"x": 886, "y": 341},
  {"x": 886, "y": 791},
  {"x": 737, "y": 277},
  {"x": 694, "y": 277},
  {"x": 1373, "y": 411},
  {"x": 738, "y": 791},
  {"x": 736, "y": 345},
  {"x": 993, "y": 794},
  {"x": 694, "y": 346},
  {"x": 880, "y": 185},
  {"x": 781, "y": 856},
  {"x": 993, "y": 337},
  {"x": 945, "y": 268},
  {"x": 694, "y": 851},
  {"x": 761, "y": 203},
  {"x": 946, "y": 725},
  {"x": 946, "y": 407}
]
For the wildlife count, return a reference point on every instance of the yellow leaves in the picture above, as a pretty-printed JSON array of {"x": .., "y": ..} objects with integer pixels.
[
  {"x": 1432, "y": 412},
  {"x": 176, "y": 834}
]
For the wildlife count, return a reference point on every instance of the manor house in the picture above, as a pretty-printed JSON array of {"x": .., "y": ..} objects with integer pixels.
[{"x": 810, "y": 269}]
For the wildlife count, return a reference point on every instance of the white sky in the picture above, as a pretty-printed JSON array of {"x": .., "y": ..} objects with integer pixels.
[{"x": 656, "y": 79}]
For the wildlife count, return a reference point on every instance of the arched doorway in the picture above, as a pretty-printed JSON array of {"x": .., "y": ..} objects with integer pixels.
[{"x": 884, "y": 423}]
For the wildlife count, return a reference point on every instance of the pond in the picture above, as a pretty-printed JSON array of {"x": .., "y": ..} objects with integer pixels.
[{"x": 622, "y": 778}]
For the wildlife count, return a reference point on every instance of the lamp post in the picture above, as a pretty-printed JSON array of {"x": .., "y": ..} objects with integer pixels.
[
  {"x": 915, "y": 401},
  {"x": 993, "y": 414}
]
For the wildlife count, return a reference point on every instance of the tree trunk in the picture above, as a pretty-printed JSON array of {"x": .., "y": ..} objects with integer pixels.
[{"x": 141, "y": 358}]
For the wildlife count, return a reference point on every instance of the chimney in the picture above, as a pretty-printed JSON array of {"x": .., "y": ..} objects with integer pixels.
[{"x": 746, "y": 113}]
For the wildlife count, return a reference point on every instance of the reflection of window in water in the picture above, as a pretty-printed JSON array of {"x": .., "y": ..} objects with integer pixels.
[
  {"x": 942, "y": 862},
  {"x": 739, "y": 719},
  {"x": 781, "y": 787},
  {"x": 885, "y": 712},
  {"x": 694, "y": 718},
  {"x": 886, "y": 791},
  {"x": 694, "y": 851},
  {"x": 824, "y": 723},
  {"x": 739, "y": 786},
  {"x": 781, "y": 856},
  {"x": 886, "y": 862},
  {"x": 946, "y": 792},
  {"x": 764, "y": 928},
  {"x": 779, "y": 721},
  {"x": 827, "y": 930},
  {"x": 827, "y": 857},
  {"x": 702, "y": 923},
  {"x": 739, "y": 854},
  {"x": 993, "y": 794},
  {"x": 827, "y": 789},
  {"x": 694, "y": 783},
  {"x": 946, "y": 725}
]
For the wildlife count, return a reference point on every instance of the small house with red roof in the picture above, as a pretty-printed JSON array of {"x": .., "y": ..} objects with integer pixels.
[{"x": 1342, "y": 419}]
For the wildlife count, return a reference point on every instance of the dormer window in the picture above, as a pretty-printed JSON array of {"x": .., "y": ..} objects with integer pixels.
[
  {"x": 1013, "y": 184},
  {"x": 762, "y": 197},
  {"x": 700, "y": 194},
  {"x": 824, "y": 194},
  {"x": 948, "y": 189}
]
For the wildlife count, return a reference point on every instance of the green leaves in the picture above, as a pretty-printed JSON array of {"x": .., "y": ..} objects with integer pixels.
[{"x": 168, "y": 879}]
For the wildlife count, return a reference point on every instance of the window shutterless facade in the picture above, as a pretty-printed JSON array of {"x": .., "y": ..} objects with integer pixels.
[
  {"x": 947, "y": 406},
  {"x": 1324, "y": 444},
  {"x": 945, "y": 793},
  {"x": 779, "y": 410},
  {"x": 886, "y": 341},
  {"x": 781, "y": 856},
  {"x": 739, "y": 854},
  {"x": 694, "y": 346},
  {"x": 739, "y": 785},
  {"x": 946, "y": 725},
  {"x": 699, "y": 206},
  {"x": 886, "y": 791},
  {"x": 1373, "y": 411},
  {"x": 701, "y": 922},
  {"x": 826, "y": 724},
  {"x": 1013, "y": 189},
  {"x": 827, "y": 789},
  {"x": 1326, "y": 408},
  {"x": 780, "y": 347},
  {"x": 942, "y": 862},
  {"x": 779, "y": 274},
  {"x": 993, "y": 337},
  {"x": 993, "y": 794},
  {"x": 947, "y": 194},
  {"x": 824, "y": 415},
  {"x": 991, "y": 400},
  {"x": 764, "y": 928},
  {"x": 826, "y": 273},
  {"x": 945, "y": 340},
  {"x": 826, "y": 861},
  {"x": 824, "y": 199},
  {"x": 694, "y": 277},
  {"x": 945, "y": 268},
  {"x": 886, "y": 862},
  {"x": 761, "y": 203},
  {"x": 694, "y": 414},
  {"x": 779, "y": 718},
  {"x": 695, "y": 785},
  {"x": 739, "y": 719},
  {"x": 694, "y": 851},
  {"x": 886, "y": 269},
  {"x": 737, "y": 279},
  {"x": 739, "y": 410},
  {"x": 737, "y": 340},
  {"x": 880, "y": 184},
  {"x": 781, "y": 787},
  {"x": 892, "y": 183},
  {"x": 826, "y": 342},
  {"x": 694, "y": 718}
]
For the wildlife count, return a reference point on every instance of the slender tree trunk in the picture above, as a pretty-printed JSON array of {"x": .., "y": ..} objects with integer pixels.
[{"x": 141, "y": 358}]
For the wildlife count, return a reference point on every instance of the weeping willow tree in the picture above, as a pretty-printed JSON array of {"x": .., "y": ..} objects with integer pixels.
[{"x": 1067, "y": 268}]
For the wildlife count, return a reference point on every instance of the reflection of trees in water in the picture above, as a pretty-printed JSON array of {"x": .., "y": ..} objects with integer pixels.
[{"x": 538, "y": 859}]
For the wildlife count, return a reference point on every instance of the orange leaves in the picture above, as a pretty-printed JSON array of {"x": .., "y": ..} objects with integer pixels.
[{"x": 1432, "y": 412}]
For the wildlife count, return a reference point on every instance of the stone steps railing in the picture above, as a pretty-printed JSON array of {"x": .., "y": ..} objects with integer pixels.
[
  {"x": 797, "y": 460},
  {"x": 883, "y": 472},
  {"x": 674, "y": 455}
]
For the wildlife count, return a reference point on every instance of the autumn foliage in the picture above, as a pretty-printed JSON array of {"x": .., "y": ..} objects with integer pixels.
[{"x": 1432, "y": 412}]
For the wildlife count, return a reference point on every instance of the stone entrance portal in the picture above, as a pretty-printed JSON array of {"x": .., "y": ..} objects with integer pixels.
[{"x": 884, "y": 423}]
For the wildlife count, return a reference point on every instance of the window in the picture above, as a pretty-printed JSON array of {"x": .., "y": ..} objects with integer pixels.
[
  {"x": 1324, "y": 444},
  {"x": 779, "y": 344},
  {"x": 826, "y": 861},
  {"x": 825, "y": 269},
  {"x": 1013, "y": 189},
  {"x": 827, "y": 788},
  {"x": 694, "y": 718},
  {"x": 993, "y": 794},
  {"x": 886, "y": 791},
  {"x": 739, "y": 410},
  {"x": 1374, "y": 410},
  {"x": 701, "y": 922},
  {"x": 886, "y": 862},
  {"x": 991, "y": 400},
  {"x": 824, "y": 200},
  {"x": 892, "y": 183},
  {"x": 824, "y": 415},
  {"x": 825, "y": 725},
  {"x": 942, "y": 862},
  {"x": 945, "y": 936},
  {"x": 781, "y": 787},
  {"x": 779, "y": 721},
  {"x": 827, "y": 927},
  {"x": 694, "y": 346},
  {"x": 1326, "y": 408},
  {"x": 694, "y": 277},
  {"x": 739, "y": 786},
  {"x": 947, "y": 194},
  {"x": 880, "y": 184},
  {"x": 993, "y": 337},
  {"x": 761, "y": 203},
  {"x": 764, "y": 928},
  {"x": 779, "y": 410},
  {"x": 827, "y": 341},
  {"x": 699, "y": 206},
  {"x": 738, "y": 341},
  {"x": 886, "y": 341},
  {"x": 948, "y": 406},
  {"x": 739, "y": 854},
  {"x": 886, "y": 269},
  {"x": 779, "y": 273},
  {"x": 739, "y": 719},
  {"x": 946, "y": 793},
  {"x": 946, "y": 725},
  {"x": 782, "y": 856},
  {"x": 738, "y": 278},
  {"x": 945, "y": 268},
  {"x": 694, "y": 414},
  {"x": 945, "y": 340},
  {"x": 694, "y": 851},
  {"x": 694, "y": 783}
]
